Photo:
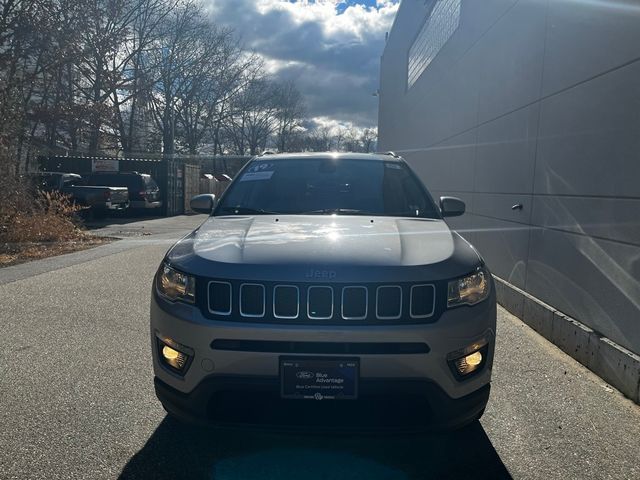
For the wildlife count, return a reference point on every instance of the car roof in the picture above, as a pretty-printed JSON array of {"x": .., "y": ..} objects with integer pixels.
[{"x": 390, "y": 156}]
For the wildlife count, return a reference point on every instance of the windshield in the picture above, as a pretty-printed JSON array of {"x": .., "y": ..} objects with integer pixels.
[
  {"x": 72, "y": 181},
  {"x": 328, "y": 186},
  {"x": 129, "y": 181}
]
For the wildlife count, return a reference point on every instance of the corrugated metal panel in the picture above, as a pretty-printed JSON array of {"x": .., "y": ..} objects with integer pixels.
[{"x": 191, "y": 184}]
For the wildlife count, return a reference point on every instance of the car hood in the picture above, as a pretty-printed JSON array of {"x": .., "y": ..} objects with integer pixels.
[
  {"x": 321, "y": 246},
  {"x": 330, "y": 240}
]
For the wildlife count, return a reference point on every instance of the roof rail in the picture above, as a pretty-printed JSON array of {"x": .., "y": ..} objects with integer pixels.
[
  {"x": 267, "y": 152},
  {"x": 393, "y": 154}
]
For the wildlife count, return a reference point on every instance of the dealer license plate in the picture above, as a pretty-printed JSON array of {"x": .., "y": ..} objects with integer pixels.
[{"x": 319, "y": 378}]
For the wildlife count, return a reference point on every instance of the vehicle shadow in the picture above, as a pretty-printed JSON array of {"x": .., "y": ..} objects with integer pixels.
[{"x": 176, "y": 450}]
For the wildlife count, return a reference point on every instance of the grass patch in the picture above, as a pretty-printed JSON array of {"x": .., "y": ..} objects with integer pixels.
[{"x": 35, "y": 251}]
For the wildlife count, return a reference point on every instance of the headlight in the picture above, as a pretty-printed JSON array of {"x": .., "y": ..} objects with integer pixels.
[
  {"x": 175, "y": 285},
  {"x": 469, "y": 290}
]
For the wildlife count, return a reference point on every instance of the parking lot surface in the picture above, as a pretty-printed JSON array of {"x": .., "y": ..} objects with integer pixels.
[{"x": 77, "y": 396}]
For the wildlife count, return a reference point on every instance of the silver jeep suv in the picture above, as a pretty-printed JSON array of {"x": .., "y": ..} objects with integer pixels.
[{"x": 324, "y": 290}]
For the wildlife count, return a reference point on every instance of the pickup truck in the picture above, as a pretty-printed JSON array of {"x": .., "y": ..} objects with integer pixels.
[
  {"x": 144, "y": 193},
  {"x": 97, "y": 200}
]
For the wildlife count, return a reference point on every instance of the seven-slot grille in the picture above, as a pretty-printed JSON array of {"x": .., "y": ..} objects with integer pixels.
[{"x": 313, "y": 303}]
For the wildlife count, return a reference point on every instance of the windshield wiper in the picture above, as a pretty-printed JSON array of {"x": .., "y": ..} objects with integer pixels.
[{"x": 248, "y": 211}]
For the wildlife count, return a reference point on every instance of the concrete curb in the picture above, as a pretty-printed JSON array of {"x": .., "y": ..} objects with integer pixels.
[{"x": 616, "y": 365}]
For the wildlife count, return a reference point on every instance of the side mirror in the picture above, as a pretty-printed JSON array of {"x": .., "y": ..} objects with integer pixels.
[
  {"x": 451, "y": 206},
  {"x": 203, "y": 203}
]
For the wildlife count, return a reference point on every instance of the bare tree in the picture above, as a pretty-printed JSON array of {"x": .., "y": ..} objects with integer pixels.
[
  {"x": 134, "y": 74},
  {"x": 368, "y": 140},
  {"x": 109, "y": 26},
  {"x": 323, "y": 138},
  {"x": 290, "y": 111},
  {"x": 351, "y": 142},
  {"x": 253, "y": 117},
  {"x": 181, "y": 56},
  {"x": 204, "y": 100},
  {"x": 36, "y": 42}
]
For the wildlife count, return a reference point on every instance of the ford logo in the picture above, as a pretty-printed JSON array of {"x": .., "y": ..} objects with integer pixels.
[{"x": 304, "y": 375}]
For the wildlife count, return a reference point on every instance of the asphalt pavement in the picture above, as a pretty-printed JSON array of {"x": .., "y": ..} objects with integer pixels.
[{"x": 77, "y": 400}]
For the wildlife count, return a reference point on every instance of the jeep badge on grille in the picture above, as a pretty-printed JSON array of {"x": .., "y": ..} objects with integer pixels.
[{"x": 324, "y": 274}]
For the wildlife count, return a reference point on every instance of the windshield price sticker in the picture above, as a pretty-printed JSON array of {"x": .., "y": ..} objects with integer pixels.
[
  {"x": 251, "y": 176},
  {"x": 260, "y": 171}
]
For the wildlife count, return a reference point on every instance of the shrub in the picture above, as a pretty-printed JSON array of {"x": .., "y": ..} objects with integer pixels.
[{"x": 29, "y": 216}]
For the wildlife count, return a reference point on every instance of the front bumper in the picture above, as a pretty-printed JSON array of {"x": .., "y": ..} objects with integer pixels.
[
  {"x": 384, "y": 405},
  {"x": 117, "y": 205},
  {"x": 218, "y": 380}
]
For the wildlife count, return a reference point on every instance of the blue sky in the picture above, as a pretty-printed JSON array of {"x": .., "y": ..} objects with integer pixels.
[
  {"x": 343, "y": 6},
  {"x": 331, "y": 48}
]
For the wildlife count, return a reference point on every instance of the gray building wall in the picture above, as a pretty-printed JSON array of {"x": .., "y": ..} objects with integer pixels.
[{"x": 534, "y": 102}]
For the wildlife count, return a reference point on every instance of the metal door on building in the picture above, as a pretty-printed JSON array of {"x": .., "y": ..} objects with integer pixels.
[
  {"x": 191, "y": 184},
  {"x": 175, "y": 188}
]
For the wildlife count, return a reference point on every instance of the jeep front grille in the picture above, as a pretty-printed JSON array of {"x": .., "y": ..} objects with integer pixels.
[
  {"x": 252, "y": 300},
  {"x": 421, "y": 304},
  {"x": 389, "y": 302},
  {"x": 354, "y": 303},
  {"x": 220, "y": 298},
  {"x": 286, "y": 301},
  {"x": 321, "y": 304}
]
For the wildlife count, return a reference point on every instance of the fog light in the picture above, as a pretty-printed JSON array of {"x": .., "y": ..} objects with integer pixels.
[
  {"x": 469, "y": 360},
  {"x": 468, "y": 364},
  {"x": 174, "y": 356}
]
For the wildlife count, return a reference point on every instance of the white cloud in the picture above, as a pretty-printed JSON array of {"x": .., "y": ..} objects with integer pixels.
[
  {"x": 355, "y": 22},
  {"x": 332, "y": 124},
  {"x": 273, "y": 66},
  {"x": 330, "y": 48}
]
